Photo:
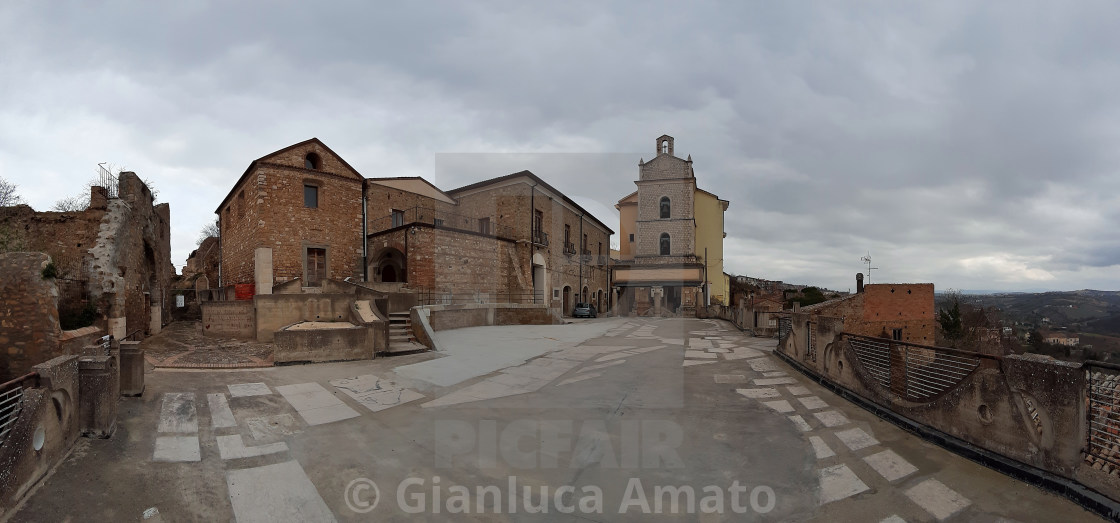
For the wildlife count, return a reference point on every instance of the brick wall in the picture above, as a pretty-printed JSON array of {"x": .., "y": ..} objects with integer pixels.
[
  {"x": 272, "y": 214},
  {"x": 881, "y": 308},
  {"x": 29, "y": 331}
]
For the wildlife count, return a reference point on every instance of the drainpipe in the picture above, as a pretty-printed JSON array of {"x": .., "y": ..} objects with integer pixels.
[
  {"x": 582, "y": 298},
  {"x": 220, "y": 263},
  {"x": 532, "y": 215},
  {"x": 365, "y": 252}
]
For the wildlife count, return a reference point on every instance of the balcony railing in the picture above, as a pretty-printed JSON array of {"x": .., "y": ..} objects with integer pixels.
[
  {"x": 569, "y": 248},
  {"x": 540, "y": 238},
  {"x": 441, "y": 220}
]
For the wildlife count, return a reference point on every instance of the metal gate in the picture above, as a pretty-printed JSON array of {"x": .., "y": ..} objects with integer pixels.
[{"x": 1104, "y": 414}]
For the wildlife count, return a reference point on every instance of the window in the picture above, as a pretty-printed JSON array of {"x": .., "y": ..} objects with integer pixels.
[
  {"x": 897, "y": 335},
  {"x": 664, "y": 244},
  {"x": 484, "y": 225},
  {"x": 664, "y": 206},
  {"x": 538, "y": 227},
  {"x": 584, "y": 246},
  {"x": 631, "y": 237},
  {"x": 438, "y": 222},
  {"x": 311, "y": 161},
  {"x": 665, "y": 146},
  {"x": 567, "y": 234},
  {"x": 311, "y": 196},
  {"x": 398, "y": 218}
]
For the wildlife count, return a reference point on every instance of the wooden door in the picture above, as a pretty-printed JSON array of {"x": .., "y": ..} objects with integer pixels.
[{"x": 316, "y": 267}]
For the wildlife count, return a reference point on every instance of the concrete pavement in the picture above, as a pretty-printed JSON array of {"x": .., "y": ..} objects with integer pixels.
[{"x": 670, "y": 417}]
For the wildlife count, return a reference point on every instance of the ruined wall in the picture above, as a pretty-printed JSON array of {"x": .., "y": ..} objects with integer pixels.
[
  {"x": 233, "y": 319},
  {"x": 275, "y": 311},
  {"x": 129, "y": 268},
  {"x": 29, "y": 331},
  {"x": 202, "y": 261},
  {"x": 457, "y": 262}
]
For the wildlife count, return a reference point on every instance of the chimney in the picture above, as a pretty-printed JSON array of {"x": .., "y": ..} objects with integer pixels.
[{"x": 859, "y": 282}]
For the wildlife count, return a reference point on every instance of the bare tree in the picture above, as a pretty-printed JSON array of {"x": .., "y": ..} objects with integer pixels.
[
  {"x": 209, "y": 230},
  {"x": 8, "y": 196}
]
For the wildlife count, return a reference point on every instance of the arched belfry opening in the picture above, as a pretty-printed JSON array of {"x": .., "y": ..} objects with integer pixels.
[{"x": 665, "y": 144}]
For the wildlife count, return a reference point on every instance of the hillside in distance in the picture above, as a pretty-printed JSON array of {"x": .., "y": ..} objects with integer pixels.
[{"x": 1084, "y": 311}]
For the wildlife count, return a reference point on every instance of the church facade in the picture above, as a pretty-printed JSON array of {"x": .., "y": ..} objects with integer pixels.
[{"x": 671, "y": 240}]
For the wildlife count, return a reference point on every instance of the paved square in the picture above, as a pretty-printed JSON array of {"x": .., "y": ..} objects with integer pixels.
[
  {"x": 798, "y": 390},
  {"x": 890, "y": 465},
  {"x": 839, "y": 482},
  {"x": 280, "y": 492},
  {"x": 800, "y": 423},
  {"x": 780, "y": 405},
  {"x": 832, "y": 418},
  {"x": 759, "y": 393},
  {"x": 220, "y": 415},
  {"x": 856, "y": 438},
  {"x": 315, "y": 404},
  {"x": 177, "y": 449},
  {"x": 813, "y": 403},
  {"x": 820, "y": 448},
  {"x": 730, "y": 378},
  {"x": 249, "y": 389},
  {"x": 178, "y": 413},
  {"x": 939, "y": 500}
]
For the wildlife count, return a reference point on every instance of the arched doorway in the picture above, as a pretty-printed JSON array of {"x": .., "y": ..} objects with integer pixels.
[
  {"x": 389, "y": 266},
  {"x": 599, "y": 301},
  {"x": 567, "y": 301},
  {"x": 584, "y": 296}
]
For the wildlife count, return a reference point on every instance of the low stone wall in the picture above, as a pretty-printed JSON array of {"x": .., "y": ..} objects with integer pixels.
[
  {"x": 46, "y": 429},
  {"x": 1028, "y": 408},
  {"x": 430, "y": 318},
  {"x": 319, "y": 345},
  {"x": 276, "y": 311},
  {"x": 72, "y": 341},
  {"x": 231, "y": 319}
]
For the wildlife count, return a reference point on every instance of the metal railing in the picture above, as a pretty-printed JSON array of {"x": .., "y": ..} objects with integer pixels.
[
  {"x": 11, "y": 402},
  {"x": 569, "y": 248},
  {"x": 811, "y": 342},
  {"x": 450, "y": 297},
  {"x": 914, "y": 372},
  {"x": 108, "y": 181},
  {"x": 785, "y": 326},
  {"x": 440, "y": 220},
  {"x": 1104, "y": 412},
  {"x": 540, "y": 237}
]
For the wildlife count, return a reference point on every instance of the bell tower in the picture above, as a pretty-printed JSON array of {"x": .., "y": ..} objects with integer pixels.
[{"x": 665, "y": 145}]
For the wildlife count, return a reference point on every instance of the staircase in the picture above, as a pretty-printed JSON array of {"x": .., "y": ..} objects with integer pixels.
[{"x": 401, "y": 338}]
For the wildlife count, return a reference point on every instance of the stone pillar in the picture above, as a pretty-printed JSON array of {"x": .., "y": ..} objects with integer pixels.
[
  {"x": 262, "y": 270},
  {"x": 656, "y": 294},
  {"x": 98, "y": 389}
]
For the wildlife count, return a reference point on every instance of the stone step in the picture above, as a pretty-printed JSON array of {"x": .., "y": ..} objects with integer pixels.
[{"x": 405, "y": 346}]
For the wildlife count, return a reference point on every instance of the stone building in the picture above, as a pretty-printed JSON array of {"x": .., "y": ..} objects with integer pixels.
[
  {"x": 304, "y": 213},
  {"x": 111, "y": 266},
  {"x": 302, "y": 206},
  {"x": 900, "y": 311},
  {"x": 671, "y": 249},
  {"x": 514, "y": 236}
]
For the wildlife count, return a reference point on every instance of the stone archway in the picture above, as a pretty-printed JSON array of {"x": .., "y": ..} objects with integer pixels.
[
  {"x": 567, "y": 311},
  {"x": 389, "y": 266}
]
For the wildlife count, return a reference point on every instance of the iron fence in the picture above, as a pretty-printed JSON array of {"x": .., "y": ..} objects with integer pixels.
[
  {"x": 811, "y": 342},
  {"x": 1103, "y": 443},
  {"x": 451, "y": 297},
  {"x": 11, "y": 402},
  {"x": 108, "y": 181},
  {"x": 785, "y": 326},
  {"x": 914, "y": 372},
  {"x": 441, "y": 220}
]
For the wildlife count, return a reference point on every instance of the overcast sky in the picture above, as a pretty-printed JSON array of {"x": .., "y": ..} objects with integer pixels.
[{"x": 975, "y": 145}]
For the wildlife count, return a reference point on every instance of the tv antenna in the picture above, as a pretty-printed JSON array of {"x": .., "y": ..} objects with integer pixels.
[{"x": 867, "y": 260}]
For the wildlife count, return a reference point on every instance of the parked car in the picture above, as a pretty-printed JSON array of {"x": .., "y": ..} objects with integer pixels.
[{"x": 584, "y": 310}]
